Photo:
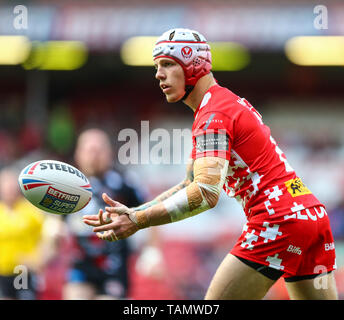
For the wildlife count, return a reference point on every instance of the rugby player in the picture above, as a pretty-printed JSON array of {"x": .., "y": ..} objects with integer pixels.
[{"x": 287, "y": 233}]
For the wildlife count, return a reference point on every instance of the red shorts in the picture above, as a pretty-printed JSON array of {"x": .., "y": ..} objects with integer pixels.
[{"x": 297, "y": 242}]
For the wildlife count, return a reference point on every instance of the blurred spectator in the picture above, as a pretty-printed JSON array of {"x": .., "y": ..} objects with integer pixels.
[
  {"x": 98, "y": 269},
  {"x": 20, "y": 240}
]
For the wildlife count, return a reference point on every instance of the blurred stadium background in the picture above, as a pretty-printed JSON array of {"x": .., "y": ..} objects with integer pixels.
[{"x": 77, "y": 64}]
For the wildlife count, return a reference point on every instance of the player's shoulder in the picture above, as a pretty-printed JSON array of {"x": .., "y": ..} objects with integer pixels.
[
  {"x": 219, "y": 95},
  {"x": 219, "y": 99}
]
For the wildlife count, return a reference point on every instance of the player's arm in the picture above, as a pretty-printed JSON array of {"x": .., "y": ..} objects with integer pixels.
[
  {"x": 170, "y": 192},
  {"x": 199, "y": 195}
]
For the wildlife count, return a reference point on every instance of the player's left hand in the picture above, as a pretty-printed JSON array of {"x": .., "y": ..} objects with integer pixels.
[{"x": 113, "y": 224}]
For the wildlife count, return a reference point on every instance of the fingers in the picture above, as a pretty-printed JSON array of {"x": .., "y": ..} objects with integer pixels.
[
  {"x": 104, "y": 218},
  {"x": 103, "y": 236},
  {"x": 103, "y": 226},
  {"x": 106, "y": 227},
  {"x": 91, "y": 223},
  {"x": 108, "y": 236},
  {"x": 119, "y": 210},
  {"x": 114, "y": 206},
  {"x": 110, "y": 201},
  {"x": 94, "y": 217},
  {"x": 98, "y": 220},
  {"x": 92, "y": 220},
  {"x": 104, "y": 222}
]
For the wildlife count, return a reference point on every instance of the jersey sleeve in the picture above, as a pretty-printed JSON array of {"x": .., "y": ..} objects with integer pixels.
[{"x": 212, "y": 136}]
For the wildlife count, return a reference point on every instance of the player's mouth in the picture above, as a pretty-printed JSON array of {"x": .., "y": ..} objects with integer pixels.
[{"x": 165, "y": 88}]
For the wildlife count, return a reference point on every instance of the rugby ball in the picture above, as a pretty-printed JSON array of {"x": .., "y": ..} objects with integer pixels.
[{"x": 55, "y": 186}]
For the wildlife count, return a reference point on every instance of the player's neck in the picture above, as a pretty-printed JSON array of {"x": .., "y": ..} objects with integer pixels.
[{"x": 197, "y": 94}]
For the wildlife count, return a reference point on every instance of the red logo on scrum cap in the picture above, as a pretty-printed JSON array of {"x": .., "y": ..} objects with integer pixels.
[{"x": 186, "y": 52}]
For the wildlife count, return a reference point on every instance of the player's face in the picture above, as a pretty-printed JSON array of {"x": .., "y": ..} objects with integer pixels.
[{"x": 171, "y": 77}]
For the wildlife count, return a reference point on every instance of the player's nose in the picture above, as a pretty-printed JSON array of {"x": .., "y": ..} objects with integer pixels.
[{"x": 160, "y": 75}]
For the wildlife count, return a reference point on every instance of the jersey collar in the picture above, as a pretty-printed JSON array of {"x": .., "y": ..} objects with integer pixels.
[{"x": 205, "y": 99}]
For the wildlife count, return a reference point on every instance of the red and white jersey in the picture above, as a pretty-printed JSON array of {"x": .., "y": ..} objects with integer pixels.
[{"x": 259, "y": 175}]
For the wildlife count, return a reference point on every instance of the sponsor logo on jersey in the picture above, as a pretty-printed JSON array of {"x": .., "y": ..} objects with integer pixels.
[
  {"x": 212, "y": 142},
  {"x": 329, "y": 246},
  {"x": 212, "y": 121},
  {"x": 294, "y": 249},
  {"x": 296, "y": 187},
  {"x": 186, "y": 52},
  {"x": 59, "y": 201}
]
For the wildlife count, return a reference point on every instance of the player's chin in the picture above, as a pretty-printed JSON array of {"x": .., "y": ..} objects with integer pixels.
[{"x": 173, "y": 98}]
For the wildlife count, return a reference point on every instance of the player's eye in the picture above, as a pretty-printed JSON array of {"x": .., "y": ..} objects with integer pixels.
[{"x": 163, "y": 64}]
